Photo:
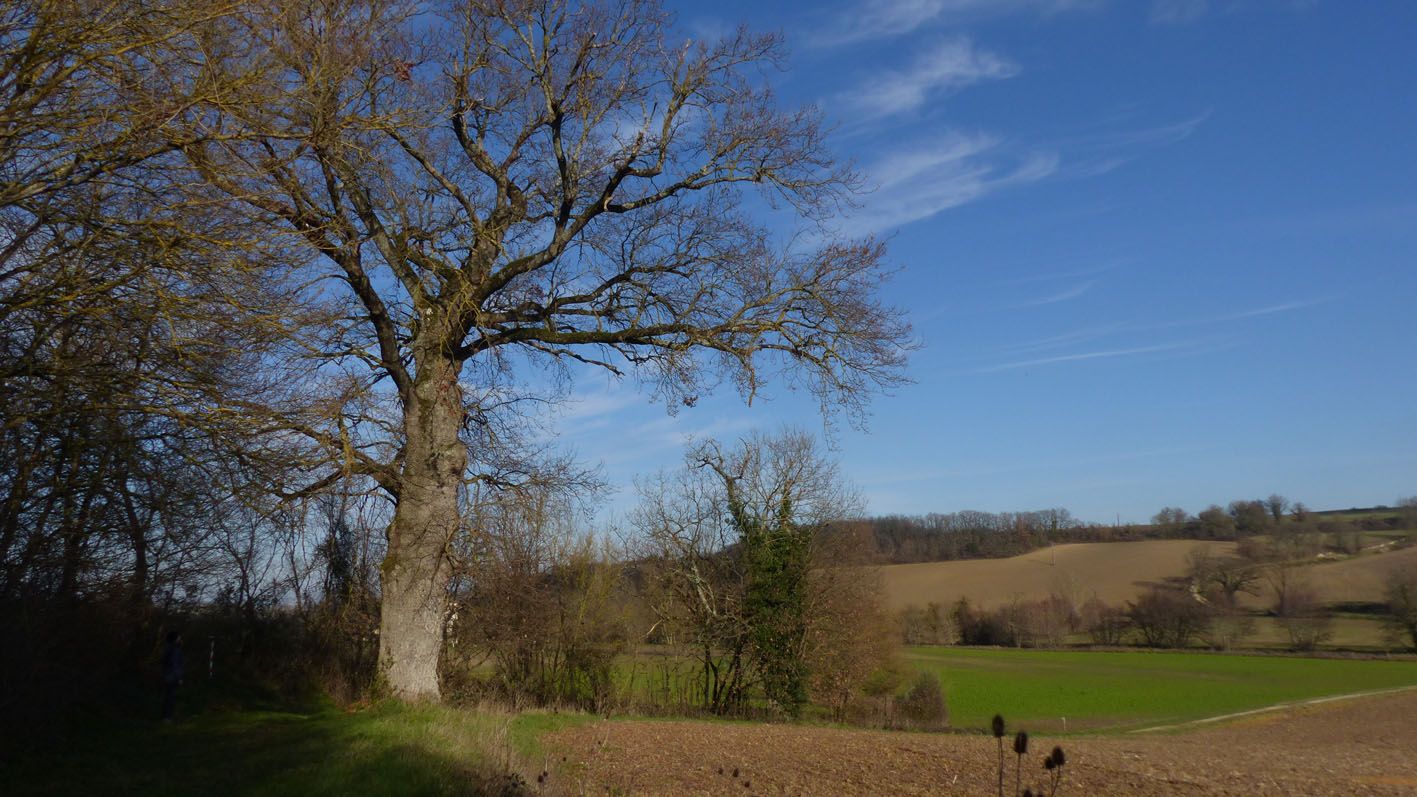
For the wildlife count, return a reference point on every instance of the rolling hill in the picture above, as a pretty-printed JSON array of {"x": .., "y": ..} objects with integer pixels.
[{"x": 1115, "y": 572}]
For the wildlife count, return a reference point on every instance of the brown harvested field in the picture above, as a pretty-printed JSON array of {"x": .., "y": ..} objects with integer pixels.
[
  {"x": 1358, "y": 746},
  {"x": 1114, "y": 571},
  {"x": 1357, "y": 580}
]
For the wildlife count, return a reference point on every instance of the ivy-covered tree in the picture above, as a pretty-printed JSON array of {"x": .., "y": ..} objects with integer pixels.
[{"x": 736, "y": 536}]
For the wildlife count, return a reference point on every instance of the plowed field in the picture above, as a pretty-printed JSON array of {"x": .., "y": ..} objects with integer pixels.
[{"x": 1357, "y": 746}]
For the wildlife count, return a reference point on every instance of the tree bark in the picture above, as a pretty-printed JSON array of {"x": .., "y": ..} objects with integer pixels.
[{"x": 416, "y": 569}]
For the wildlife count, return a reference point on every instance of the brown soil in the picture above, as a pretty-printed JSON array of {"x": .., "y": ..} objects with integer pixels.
[
  {"x": 1113, "y": 571},
  {"x": 1116, "y": 572},
  {"x": 1360, "y": 746},
  {"x": 1362, "y": 579}
]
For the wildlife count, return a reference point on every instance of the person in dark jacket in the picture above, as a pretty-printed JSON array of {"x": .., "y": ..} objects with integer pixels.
[{"x": 173, "y": 670}]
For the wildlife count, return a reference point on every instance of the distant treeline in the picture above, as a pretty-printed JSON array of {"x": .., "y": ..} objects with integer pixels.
[
  {"x": 935, "y": 537},
  {"x": 901, "y": 539}
]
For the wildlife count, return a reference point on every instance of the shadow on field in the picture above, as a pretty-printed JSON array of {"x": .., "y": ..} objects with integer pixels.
[{"x": 308, "y": 750}]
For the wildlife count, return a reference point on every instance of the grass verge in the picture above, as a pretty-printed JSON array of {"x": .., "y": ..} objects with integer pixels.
[{"x": 268, "y": 749}]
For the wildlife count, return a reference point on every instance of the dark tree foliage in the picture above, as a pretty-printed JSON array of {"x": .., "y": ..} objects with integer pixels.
[
  {"x": 1402, "y": 605},
  {"x": 924, "y": 704},
  {"x": 777, "y": 558},
  {"x": 1168, "y": 618},
  {"x": 902, "y": 539}
]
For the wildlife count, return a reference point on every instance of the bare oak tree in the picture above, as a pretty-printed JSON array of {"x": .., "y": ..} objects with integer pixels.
[{"x": 481, "y": 186}]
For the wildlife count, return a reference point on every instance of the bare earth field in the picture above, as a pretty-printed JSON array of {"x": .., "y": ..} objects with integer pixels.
[
  {"x": 1355, "y": 746},
  {"x": 1114, "y": 571},
  {"x": 1361, "y": 579}
]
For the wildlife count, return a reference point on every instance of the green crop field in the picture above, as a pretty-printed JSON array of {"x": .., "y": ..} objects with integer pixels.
[{"x": 1117, "y": 691}]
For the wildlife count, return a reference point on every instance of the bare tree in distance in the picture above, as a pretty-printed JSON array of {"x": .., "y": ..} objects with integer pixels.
[
  {"x": 1407, "y": 506},
  {"x": 1171, "y": 517},
  {"x": 1401, "y": 594},
  {"x": 484, "y": 187},
  {"x": 1251, "y": 517},
  {"x": 1216, "y": 523},
  {"x": 1226, "y": 577},
  {"x": 1277, "y": 506}
]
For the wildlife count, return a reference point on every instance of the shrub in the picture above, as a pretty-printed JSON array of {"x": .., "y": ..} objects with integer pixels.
[
  {"x": 924, "y": 704},
  {"x": 931, "y": 625},
  {"x": 1226, "y": 628},
  {"x": 1107, "y": 625},
  {"x": 1168, "y": 618},
  {"x": 1402, "y": 605},
  {"x": 1306, "y": 620}
]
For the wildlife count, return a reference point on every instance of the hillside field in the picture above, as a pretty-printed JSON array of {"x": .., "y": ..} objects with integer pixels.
[
  {"x": 1113, "y": 571},
  {"x": 1357, "y": 580}
]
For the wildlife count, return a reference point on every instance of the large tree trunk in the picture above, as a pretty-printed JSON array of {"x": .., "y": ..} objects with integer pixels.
[{"x": 416, "y": 569}]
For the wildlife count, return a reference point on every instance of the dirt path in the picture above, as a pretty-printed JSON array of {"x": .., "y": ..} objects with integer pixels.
[
  {"x": 1268, "y": 709},
  {"x": 1360, "y": 746}
]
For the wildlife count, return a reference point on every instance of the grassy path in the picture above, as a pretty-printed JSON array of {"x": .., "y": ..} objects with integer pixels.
[{"x": 1313, "y": 701}]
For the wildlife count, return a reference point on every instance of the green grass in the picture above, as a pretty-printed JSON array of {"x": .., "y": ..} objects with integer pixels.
[
  {"x": 267, "y": 750},
  {"x": 232, "y": 744},
  {"x": 1351, "y": 632},
  {"x": 1117, "y": 691}
]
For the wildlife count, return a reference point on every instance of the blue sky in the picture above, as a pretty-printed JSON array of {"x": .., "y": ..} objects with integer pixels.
[{"x": 1157, "y": 253}]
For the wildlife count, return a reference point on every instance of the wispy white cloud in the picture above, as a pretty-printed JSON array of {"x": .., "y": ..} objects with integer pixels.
[
  {"x": 595, "y": 406},
  {"x": 1061, "y": 275},
  {"x": 1092, "y": 333},
  {"x": 909, "y": 475},
  {"x": 876, "y": 19},
  {"x": 1064, "y": 339},
  {"x": 708, "y": 28},
  {"x": 1181, "y": 12},
  {"x": 1177, "y": 12},
  {"x": 1097, "y": 153},
  {"x": 918, "y": 180},
  {"x": 1153, "y": 136},
  {"x": 1240, "y": 315},
  {"x": 947, "y": 65},
  {"x": 1269, "y": 310},
  {"x": 923, "y": 180},
  {"x": 646, "y": 442},
  {"x": 1191, "y": 346},
  {"x": 1063, "y": 296}
]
